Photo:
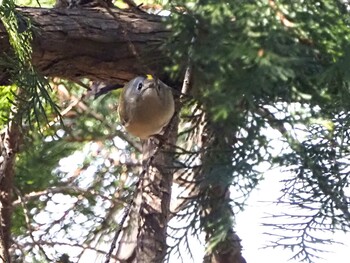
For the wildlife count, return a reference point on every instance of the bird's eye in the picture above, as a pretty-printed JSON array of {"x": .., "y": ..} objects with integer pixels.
[{"x": 139, "y": 86}]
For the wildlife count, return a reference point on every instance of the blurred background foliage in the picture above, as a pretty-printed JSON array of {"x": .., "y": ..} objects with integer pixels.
[{"x": 257, "y": 66}]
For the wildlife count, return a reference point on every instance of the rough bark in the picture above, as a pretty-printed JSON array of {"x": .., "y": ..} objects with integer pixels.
[
  {"x": 216, "y": 173},
  {"x": 144, "y": 238},
  {"x": 9, "y": 140},
  {"x": 101, "y": 44}
]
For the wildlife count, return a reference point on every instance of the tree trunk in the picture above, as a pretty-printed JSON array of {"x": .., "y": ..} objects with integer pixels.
[
  {"x": 97, "y": 43},
  {"x": 217, "y": 214},
  {"x": 144, "y": 238},
  {"x": 9, "y": 141}
]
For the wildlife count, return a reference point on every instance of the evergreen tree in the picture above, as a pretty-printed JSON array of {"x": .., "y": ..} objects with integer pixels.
[{"x": 245, "y": 68}]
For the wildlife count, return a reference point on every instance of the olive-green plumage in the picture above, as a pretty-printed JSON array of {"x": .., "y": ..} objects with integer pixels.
[{"x": 145, "y": 106}]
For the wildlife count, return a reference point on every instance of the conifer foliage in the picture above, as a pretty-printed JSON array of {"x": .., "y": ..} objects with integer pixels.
[{"x": 249, "y": 69}]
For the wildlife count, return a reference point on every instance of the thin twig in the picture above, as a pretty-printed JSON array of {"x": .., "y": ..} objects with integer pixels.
[
  {"x": 117, "y": 233},
  {"x": 54, "y": 190},
  {"x": 28, "y": 224},
  {"x": 130, "y": 204}
]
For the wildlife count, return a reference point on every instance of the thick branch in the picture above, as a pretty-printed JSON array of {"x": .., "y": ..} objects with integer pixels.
[{"x": 110, "y": 45}]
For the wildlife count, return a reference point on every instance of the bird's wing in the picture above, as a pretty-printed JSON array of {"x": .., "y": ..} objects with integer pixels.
[{"x": 122, "y": 110}]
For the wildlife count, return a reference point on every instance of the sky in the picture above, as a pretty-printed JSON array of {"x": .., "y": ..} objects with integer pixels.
[{"x": 250, "y": 230}]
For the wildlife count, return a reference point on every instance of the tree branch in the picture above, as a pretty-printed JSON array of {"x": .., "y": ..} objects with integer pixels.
[{"x": 92, "y": 43}]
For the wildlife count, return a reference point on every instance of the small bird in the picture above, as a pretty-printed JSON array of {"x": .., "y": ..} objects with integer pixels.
[{"x": 146, "y": 106}]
